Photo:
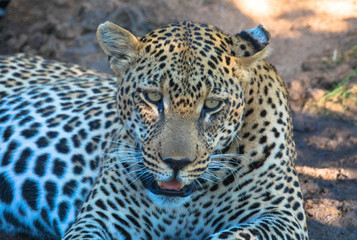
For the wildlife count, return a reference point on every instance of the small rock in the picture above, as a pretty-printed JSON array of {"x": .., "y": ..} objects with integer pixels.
[
  {"x": 335, "y": 107},
  {"x": 317, "y": 93},
  {"x": 296, "y": 91},
  {"x": 306, "y": 66}
]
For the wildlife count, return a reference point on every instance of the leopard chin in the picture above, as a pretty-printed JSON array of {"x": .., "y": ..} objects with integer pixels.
[{"x": 165, "y": 201}]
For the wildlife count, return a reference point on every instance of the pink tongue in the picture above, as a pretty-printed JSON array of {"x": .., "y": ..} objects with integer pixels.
[{"x": 171, "y": 185}]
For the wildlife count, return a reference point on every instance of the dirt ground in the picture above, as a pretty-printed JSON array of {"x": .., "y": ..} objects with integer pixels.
[{"x": 314, "y": 48}]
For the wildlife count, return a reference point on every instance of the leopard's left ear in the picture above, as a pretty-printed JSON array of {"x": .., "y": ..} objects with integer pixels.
[
  {"x": 120, "y": 45},
  {"x": 251, "y": 45}
]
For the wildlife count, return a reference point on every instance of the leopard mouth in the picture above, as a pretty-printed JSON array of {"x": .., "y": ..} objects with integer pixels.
[{"x": 172, "y": 188}]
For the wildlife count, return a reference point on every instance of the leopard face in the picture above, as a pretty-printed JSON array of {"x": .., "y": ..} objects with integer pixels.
[{"x": 179, "y": 99}]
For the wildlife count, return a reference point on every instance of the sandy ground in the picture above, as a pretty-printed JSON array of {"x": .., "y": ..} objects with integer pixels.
[{"x": 313, "y": 48}]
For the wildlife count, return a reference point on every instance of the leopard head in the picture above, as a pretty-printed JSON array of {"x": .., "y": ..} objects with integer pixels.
[{"x": 180, "y": 95}]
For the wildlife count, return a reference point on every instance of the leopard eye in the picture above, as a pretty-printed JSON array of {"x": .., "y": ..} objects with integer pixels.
[
  {"x": 153, "y": 97},
  {"x": 212, "y": 104}
]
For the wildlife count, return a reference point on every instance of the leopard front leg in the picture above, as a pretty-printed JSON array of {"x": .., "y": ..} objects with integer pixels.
[
  {"x": 103, "y": 215},
  {"x": 273, "y": 226},
  {"x": 88, "y": 227}
]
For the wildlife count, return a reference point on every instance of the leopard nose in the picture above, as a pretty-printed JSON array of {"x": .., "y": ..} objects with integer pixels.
[{"x": 175, "y": 164}]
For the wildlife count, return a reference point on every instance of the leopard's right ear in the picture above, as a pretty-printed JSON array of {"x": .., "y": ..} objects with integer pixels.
[
  {"x": 251, "y": 45},
  {"x": 120, "y": 45}
]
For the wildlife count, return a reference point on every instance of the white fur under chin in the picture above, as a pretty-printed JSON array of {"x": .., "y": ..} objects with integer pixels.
[{"x": 167, "y": 201}]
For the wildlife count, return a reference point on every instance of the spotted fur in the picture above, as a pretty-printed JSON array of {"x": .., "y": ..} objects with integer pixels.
[
  {"x": 151, "y": 129},
  {"x": 54, "y": 122}
]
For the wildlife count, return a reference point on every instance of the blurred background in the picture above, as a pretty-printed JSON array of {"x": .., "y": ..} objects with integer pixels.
[{"x": 314, "y": 48}]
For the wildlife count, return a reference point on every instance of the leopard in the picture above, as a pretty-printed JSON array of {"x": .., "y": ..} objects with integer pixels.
[{"x": 192, "y": 138}]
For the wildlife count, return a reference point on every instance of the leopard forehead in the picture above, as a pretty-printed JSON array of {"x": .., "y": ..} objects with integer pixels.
[
  {"x": 188, "y": 61},
  {"x": 191, "y": 39}
]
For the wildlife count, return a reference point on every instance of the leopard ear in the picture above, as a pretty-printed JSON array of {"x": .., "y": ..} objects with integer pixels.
[
  {"x": 120, "y": 45},
  {"x": 251, "y": 45}
]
